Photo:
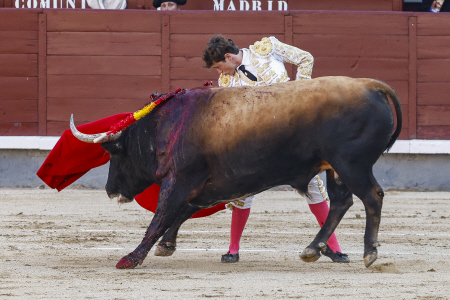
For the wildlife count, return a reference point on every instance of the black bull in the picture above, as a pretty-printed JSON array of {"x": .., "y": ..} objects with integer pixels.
[{"x": 208, "y": 146}]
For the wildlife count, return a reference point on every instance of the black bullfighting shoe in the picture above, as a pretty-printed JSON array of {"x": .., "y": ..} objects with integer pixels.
[
  {"x": 230, "y": 258},
  {"x": 337, "y": 256}
]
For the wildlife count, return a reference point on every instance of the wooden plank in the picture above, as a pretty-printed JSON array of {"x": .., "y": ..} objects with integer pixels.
[
  {"x": 18, "y": 65},
  {"x": 288, "y": 33},
  {"x": 433, "y": 132},
  {"x": 433, "y": 47},
  {"x": 403, "y": 136},
  {"x": 19, "y": 19},
  {"x": 103, "y": 43},
  {"x": 19, "y": 42},
  {"x": 108, "y": 65},
  {"x": 382, "y": 69},
  {"x": 13, "y": 88},
  {"x": 434, "y": 93},
  {"x": 192, "y": 45},
  {"x": 267, "y": 23},
  {"x": 412, "y": 78},
  {"x": 57, "y": 128},
  {"x": 350, "y": 23},
  {"x": 165, "y": 53},
  {"x": 190, "y": 67},
  {"x": 17, "y": 111},
  {"x": 433, "y": 70},
  {"x": 18, "y": 129},
  {"x": 433, "y": 115},
  {"x": 397, "y": 5},
  {"x": 289, "y": 39},
  {"x": 88, "y": 110},
  {"x": 433, "y": 24},
  {"x": 370, "y": 46},
  {"x": 103, "y": 21},
  {"x": 102, "y": 86},
  {"x": 42, "y": 100}
]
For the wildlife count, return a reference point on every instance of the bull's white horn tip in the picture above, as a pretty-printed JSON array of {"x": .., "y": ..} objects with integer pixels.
[{"x": 100, "y": 139}]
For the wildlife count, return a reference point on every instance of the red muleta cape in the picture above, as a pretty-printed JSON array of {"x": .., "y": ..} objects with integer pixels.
[{"x": 71, "y": 158}]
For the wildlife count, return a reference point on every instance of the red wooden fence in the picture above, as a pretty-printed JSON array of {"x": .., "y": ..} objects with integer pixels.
[
  {"x": 97, "y": 63},
  {"x": 357, "y": 5}
]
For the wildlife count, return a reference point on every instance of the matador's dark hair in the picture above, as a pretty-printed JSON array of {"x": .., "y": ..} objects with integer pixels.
[{"x": 216, "y": 49}]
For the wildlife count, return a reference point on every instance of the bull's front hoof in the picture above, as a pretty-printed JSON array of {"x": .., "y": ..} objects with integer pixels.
[
  {"x": 127, "y": 263},
  {"x": 163, "y": 250},
  {"x": 370, "y": 257},
  {"x": 310, "y": 255}
]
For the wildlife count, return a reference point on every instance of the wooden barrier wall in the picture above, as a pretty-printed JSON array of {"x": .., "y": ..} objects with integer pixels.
[
  {"x": 97, "y": 63},
  {"x": 358, "y": 5}
]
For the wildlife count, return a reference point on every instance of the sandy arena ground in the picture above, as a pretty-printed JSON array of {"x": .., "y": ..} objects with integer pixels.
[{"x": 65, "y": 246}]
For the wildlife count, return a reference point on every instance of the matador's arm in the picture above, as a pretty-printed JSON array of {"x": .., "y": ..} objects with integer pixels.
[{"x": 293, "y": 55}]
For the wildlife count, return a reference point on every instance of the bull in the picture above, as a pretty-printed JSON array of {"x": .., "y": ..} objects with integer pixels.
[{"x": 213, "y": 145}]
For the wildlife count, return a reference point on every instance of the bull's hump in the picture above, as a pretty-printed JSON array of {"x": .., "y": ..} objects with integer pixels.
[{"x": 236, "y": 114}]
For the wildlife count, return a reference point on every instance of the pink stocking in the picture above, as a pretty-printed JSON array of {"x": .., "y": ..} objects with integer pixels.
[
  {"x": 320, "y": 210},
  {"x": 238, "y": 220}
]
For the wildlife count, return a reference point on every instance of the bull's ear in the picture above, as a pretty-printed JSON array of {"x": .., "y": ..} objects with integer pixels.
[{"x": 114, "y": 147}]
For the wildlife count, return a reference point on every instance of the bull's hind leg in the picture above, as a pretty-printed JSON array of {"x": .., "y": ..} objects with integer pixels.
[
  {"x": 340, "y": 201},
  {"x": 360, "y": 181},
  {"x": 371, "y": 194},
  {"x": 171, "y": 210}
]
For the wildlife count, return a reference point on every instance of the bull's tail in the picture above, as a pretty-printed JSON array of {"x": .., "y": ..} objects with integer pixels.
[{"x": 388, "y": 91}]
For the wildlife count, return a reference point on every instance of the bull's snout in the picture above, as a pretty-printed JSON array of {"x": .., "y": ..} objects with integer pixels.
[
  {"x": 121, "y": 198},
  {"x": 112, "y": 196}
]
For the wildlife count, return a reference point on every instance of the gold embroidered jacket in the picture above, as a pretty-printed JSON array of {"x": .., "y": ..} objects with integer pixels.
[{"x": 268, "y": 57}]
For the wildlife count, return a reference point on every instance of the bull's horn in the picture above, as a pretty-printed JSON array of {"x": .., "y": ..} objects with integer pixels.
[
  {"x": 92, "y": 138},
  {"x": 103, "y": 138}
]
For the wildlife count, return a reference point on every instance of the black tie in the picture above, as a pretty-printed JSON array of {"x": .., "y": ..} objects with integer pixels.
[{"x": 247, "y": 73}]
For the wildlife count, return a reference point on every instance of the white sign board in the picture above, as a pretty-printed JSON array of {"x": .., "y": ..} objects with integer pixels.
[
  {"x": 249, "y": 5},
  {"x": 48, "y": 3}
]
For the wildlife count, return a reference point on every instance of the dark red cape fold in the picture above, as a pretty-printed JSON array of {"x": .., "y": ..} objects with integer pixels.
[{"x": 71, "y": 158}]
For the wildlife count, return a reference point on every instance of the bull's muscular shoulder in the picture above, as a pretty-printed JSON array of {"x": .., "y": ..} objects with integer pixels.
[{"x": 234, "y": 115}]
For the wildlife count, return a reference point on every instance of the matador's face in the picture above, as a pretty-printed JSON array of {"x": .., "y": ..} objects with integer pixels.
[{"x": 228, "y": 66}]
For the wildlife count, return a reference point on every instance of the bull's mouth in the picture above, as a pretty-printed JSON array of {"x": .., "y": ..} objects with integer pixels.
[{"x": 121, "y": 199}]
